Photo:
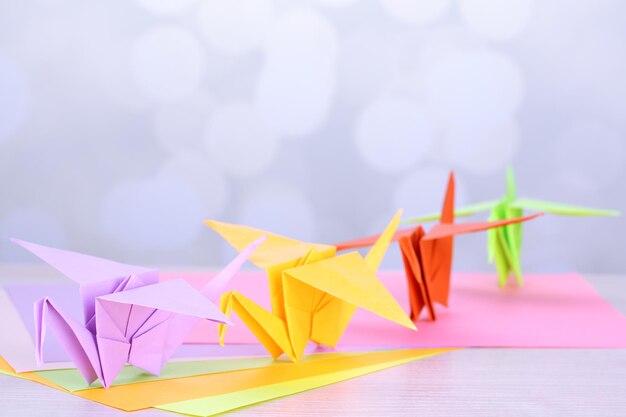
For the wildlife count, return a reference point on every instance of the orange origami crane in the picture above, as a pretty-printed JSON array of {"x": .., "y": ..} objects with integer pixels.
[
  {"x": 314, "y": 292},
  {"x": 427, "y": 257}
]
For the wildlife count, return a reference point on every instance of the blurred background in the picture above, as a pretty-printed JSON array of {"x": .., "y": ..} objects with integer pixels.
[{"x": 125, "y": 123}]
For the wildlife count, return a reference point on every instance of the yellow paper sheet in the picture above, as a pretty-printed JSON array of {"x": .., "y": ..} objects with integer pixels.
[{"x": 210, "y": 406}]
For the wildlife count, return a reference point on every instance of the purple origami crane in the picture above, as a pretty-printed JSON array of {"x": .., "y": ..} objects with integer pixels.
[{"x": 130, "y": 317}]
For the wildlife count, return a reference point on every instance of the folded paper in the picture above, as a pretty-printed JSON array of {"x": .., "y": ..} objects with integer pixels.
[
  {"x": 129, "y": 316},
  {"x": 314, "y": 293},
  {"x": 504, "y": 244},
  {"x": 427, "y": 256}
]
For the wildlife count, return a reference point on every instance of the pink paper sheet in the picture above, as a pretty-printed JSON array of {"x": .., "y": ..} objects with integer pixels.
[{"x": 549, "y": 311}]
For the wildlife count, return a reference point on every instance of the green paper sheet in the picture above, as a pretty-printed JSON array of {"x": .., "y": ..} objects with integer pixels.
[{"x": 71, "y": 379}]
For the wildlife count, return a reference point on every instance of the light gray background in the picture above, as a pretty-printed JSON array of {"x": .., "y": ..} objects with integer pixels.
[{"x": 124, "y": 124}]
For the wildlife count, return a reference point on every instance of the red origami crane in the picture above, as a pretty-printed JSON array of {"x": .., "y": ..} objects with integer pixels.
[{"x": 427, "y": 256}]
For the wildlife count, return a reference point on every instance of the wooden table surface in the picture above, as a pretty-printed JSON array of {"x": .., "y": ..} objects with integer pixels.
[{"x": 474, "y": 382}]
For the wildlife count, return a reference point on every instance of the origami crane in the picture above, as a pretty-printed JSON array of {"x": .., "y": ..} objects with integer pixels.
[
  {"x": 427, "y": 257},
  {"x": 129, "y": 315},
  {"x": 314, "y": 293},
  {"x": 504, "y": 244}
]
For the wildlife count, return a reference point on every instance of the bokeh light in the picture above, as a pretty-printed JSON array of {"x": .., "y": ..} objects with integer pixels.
[
  {"x": 281, "y": 208},
  {"x": 336, "y": 3},
  {"x": 236, "y": 26},
  {"x": 166, "y": 7},
  {"x": 32, "y": 224},
  {"x": 159, "y": 213},
  {"x": 482, "y": 151},
  {"x": 202, "y": 173},
  {"x": 106, "y": 65},
  {"x": 422, "y": 191},
  {"x": 239, "y": 141},
  {"x": 589, "y": 154},
  {"x": 181, "y": 124},
  {"x": 416, "y": 11},
  {"x": 296, "y": 85},
  {"x": 15, "y": 96},
  {"x": 496, "y": 20},
  {"x": 314, "y": 119},
  {"x": 393, "y": 134},
  {"x": 168, "y": 63},
  {"x": 367, "y": 61},
  {"x": 475, "y": 89}
]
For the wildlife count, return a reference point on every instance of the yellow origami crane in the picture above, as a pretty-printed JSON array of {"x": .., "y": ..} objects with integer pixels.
[{"x": 313, "y": 291}]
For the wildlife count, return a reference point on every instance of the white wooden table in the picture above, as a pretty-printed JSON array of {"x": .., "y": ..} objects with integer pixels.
[{"x": 474, "y": 382}]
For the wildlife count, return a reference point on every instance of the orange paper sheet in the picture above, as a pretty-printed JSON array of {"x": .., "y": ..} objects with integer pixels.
[{"x": 144, "y": 395}]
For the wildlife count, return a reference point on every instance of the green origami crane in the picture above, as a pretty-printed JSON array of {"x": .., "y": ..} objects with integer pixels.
[{"x": 504, "y": 243}]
